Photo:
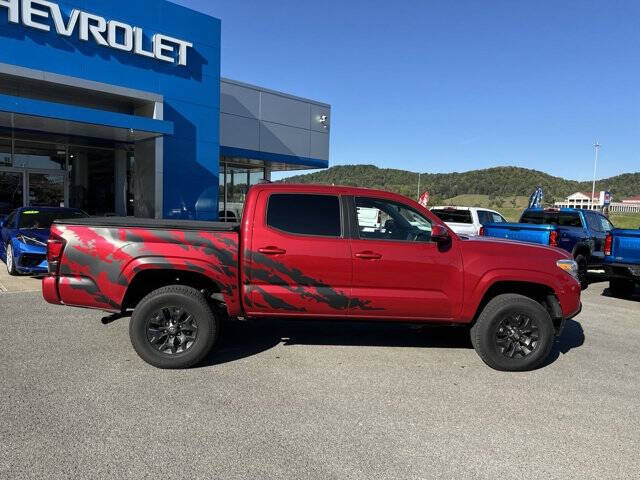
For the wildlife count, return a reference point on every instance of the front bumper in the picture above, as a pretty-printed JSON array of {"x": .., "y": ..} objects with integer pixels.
[{"x": 30, "y": 260}]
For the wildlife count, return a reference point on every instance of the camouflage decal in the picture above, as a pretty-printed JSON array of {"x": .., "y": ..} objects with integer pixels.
[
  {"x": 98, "y": 263},
  {"x": 271, "y": 272}
]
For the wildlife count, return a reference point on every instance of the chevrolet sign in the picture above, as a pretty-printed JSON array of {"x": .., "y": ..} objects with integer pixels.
[{"x": 112, "y": 34}]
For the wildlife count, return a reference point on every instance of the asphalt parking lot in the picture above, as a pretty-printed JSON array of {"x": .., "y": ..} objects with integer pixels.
[{"x": 313, "y": 400}]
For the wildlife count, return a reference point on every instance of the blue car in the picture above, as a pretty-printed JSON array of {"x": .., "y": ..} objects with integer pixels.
[{"x": 24, "y": 234}]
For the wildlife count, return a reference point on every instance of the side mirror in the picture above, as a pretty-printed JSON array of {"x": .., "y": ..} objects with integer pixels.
[{"x": 440, "y": 234}]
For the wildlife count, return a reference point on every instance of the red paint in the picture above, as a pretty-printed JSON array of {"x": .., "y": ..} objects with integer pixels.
[
  {"x": 553, "y": 238},
  {"x": 265, "y": 272}
]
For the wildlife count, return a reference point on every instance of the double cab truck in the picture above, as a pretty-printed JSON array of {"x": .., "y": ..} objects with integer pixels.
[
  {"x": 622, "y": 260},
  {"x": 582, "y": 233},
  {"x": 300, "y": 252}
]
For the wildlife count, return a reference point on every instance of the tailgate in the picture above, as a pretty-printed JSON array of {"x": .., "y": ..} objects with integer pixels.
[
  {"x": 626, "y": 246},
  {"x": 523, "y": 232}
]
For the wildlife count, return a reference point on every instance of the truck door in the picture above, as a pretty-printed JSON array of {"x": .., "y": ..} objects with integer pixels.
[
  {"x": 299, "y": 260},
  {"x": 398, "y": 272}
]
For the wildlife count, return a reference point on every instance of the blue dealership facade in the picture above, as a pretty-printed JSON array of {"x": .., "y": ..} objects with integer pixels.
[{"x": 119, "y": 108}]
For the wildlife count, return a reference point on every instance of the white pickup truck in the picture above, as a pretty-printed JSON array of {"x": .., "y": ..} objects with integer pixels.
[{"x": 467, "y": 220}]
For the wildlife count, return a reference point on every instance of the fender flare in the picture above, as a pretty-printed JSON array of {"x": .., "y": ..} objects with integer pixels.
[
  {"x": 224, "y": 277},
  {"x": 492, "y": 277}
]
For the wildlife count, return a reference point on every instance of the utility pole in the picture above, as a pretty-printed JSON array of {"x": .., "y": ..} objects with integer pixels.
[
  {"x": 596, "y": 146},
  {"x": 419, "y": 178}
]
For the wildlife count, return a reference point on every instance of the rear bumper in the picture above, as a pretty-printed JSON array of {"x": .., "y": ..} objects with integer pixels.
[{"x": 50, "y": 290}]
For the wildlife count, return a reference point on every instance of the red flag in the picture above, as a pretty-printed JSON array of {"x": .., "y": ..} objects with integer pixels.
[{"x": 424, "y": 199}]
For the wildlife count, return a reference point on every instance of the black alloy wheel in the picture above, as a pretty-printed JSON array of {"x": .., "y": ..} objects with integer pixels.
[
  {"x": 172, "y": 330},
  {"x": 174, "y": 327},
  {"x": 517, "y": 336},
  {"x": 513, "y": 333}
]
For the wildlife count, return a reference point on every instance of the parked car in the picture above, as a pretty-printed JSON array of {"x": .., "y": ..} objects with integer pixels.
[
  {"x": 300, "y": 252},
  {"x": 467, "y": 220},
  {"x": 582, "y": 233},
  {"x": 24, "y": 234},
  {"x": 622, "y": 260}
]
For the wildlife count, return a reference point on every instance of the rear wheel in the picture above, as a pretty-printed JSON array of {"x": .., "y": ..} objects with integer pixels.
[
  {"x": 513, "y": 333},
  {"x": 11, "y": 260},
  {"x": 621, "y": 287},
  {"x": 583, "y": 275},
  {"x": 173, "y": 327}
]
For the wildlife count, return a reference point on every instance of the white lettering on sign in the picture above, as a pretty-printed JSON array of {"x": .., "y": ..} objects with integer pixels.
[{"x": 39, "y": 14}]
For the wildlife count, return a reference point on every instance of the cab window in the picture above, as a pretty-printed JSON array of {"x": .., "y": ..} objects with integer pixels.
[
  {"x": 300, "y": 214},
  {"x": 394, "y": 221},
  {"x": 485, "y": 217}
]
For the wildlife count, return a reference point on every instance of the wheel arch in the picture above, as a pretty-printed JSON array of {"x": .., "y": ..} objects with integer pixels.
[
  {"x": 145, "y": 275},
  {"x": 539, "y": 291}
]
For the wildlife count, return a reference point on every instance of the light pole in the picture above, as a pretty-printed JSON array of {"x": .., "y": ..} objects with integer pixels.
[{"x": 596, "y": 146}]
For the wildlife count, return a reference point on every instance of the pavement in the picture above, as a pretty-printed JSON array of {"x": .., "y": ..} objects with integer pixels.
[{"x": 286, "y": 400}]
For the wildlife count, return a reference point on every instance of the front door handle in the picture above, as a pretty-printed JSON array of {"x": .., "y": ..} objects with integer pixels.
[
  {"x": 272, "y": 251},
  {"x": 368, "y": 256}
]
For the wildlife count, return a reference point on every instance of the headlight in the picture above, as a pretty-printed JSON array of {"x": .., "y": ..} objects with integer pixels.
[
  {"x": 30, "y": 241},
  {"x": 568, "y": 266}
]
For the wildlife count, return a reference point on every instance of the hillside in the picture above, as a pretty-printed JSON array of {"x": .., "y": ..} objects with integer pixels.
[{"x": 496, "y": 183}]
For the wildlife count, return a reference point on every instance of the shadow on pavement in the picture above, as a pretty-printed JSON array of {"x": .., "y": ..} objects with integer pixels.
[
  {"x": 241, "y": 340},
  {"x": 572, "y": 337}
]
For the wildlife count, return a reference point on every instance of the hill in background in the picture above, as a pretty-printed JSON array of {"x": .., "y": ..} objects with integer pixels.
[{"x": 501, "y": 186}]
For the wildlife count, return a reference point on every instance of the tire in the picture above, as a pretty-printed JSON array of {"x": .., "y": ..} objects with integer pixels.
[
  {"x": 179, "y": 313},
  {"x": 499, "y": 347},
  {"x": 621, "y": 287},
  {"x": 583, "y": 267},
  {"x": 11, "y": 261}
]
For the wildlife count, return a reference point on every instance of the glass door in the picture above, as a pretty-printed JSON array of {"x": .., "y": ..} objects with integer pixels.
[
  {"x": 47, "y": 189},
  {"x": 11, "y": 191}
]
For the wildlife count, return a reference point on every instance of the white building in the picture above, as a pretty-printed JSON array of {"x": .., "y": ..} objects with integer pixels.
[{"x": 584, "y": 201}]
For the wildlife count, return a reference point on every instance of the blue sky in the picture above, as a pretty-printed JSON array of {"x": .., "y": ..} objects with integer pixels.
[{"x": 442, "y": 86}]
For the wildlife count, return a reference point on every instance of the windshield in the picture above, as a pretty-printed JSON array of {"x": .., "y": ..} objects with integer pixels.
[{"x": 42, "y": 219}]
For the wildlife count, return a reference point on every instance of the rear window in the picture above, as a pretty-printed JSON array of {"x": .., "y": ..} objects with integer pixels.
[
  {"x": 305, "y": 214},
  {"x": 451, "y": 215},
  {"x": 562, "y": 219},
  {"x": 34, "y": 219}
]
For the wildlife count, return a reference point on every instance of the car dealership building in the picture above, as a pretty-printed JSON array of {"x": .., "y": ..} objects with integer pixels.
[{"x": 118, "y": 108}]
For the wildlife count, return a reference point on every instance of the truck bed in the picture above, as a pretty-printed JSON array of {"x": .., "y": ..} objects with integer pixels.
[
  {"x": 625, "y": 247},
  {"x": 132, "y": 222},
  {"x": 524, "y": 232},
  {"x": 102, "y": 257}
]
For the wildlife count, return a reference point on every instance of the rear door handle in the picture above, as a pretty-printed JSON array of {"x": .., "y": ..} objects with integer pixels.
[
  {"x": 272, "y": 251},
  {"x": 368, "y": 256}
]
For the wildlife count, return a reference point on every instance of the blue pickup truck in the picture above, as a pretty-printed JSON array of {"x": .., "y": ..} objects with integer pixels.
[
  {"x": 622, "y": 260},
  {"x": 582, "y": 233}
]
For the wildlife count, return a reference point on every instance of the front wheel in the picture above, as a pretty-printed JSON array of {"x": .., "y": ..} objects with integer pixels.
[
  {"x": 513, "y": 333},
  {"x": 173, "y": 327},
  {"x": 11, "y": 261}
]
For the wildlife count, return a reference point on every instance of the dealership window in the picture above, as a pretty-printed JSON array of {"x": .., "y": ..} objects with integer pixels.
[
  {"x": 43, "y": 169},
  {"x": 235, "y": 181},
  {"x": 11, "y": 191}
]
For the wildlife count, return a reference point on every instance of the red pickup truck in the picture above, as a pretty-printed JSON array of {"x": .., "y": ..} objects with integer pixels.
[{"x": 300, "y": 252}]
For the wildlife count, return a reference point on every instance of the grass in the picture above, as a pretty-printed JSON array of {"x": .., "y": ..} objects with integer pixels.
[
  {"x": 625, "y": 220},
  {"x": 511, "y": 208}
]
